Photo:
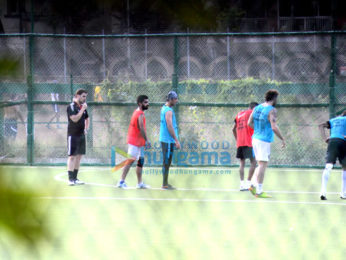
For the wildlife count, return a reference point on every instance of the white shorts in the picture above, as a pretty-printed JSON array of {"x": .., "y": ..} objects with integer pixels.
[
  {"x": 261, "y": 150},
  {"x": 135, "y": 151}
]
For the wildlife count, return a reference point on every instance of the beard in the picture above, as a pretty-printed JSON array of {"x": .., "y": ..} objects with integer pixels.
[{"x": 145, "y": 107}]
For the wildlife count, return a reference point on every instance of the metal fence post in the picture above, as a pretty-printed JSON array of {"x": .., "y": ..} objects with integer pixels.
[
  {"x": 30, "y": 94},
  {"x": 175, "y": 76},
  {"x": 332, "y": 77},
  {"x": 175, "y": 82},
  {"x": 71, "y": 87},
  {"x": 2, "y": 148},
  {"x": 176, "y": 64}
]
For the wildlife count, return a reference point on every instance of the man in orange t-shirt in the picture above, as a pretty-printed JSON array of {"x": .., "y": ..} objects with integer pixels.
[
  {"x": 243, "y": 135},
  {"x": 136, "y": 140}
]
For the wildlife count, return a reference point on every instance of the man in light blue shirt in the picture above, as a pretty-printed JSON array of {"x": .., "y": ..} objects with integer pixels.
[
  {"x": 336, "y": 149},
  {"x": 263, "y": 121},
  {"x": 168, "y": 136}
]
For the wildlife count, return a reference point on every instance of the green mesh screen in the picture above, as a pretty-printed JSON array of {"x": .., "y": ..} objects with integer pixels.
[{"x": 215, "y": 77}]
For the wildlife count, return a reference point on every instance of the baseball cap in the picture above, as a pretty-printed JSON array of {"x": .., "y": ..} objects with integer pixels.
[{"x": 172, "y": 95}]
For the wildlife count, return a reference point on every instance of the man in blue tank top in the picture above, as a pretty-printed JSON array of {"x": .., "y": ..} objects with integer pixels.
[
  {"x": 168, "y": 136},
  {"x": 336, "y": 150},
  {"x": 263, "y": 121}
]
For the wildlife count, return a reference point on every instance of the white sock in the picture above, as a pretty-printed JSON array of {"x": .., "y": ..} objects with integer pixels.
[
  {"x": 242, "y": 183},
  {"x": 248, "y": 183},
  {"x": 325, "y": 178},
  {"x": 343, "y": 187},
  {"x": 259, "y": 188}
]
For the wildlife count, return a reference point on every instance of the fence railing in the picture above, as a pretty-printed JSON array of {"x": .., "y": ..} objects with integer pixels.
[{"x": 215, "y": 75}]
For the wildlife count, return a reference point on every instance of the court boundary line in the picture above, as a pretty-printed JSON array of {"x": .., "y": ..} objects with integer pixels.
[
  {"x": 173, "y": 167},
  {"x": 257, "y": 201},
  {"x": 58, "y": 178}
]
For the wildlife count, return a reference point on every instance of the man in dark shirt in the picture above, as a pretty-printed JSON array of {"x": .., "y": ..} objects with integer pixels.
[{"x": 78, "y": 124}]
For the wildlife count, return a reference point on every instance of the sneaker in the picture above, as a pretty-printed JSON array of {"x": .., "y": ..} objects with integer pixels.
[
  {"x": 142, "y": 186},
  {"x": 263, "y": 195},
  {"x": 78, "y": 182},
  {"x": 122, "y": 185},
  {"x": 343, "y": 196},
  {"x": 243, "y": 188},
  {"x": 323, "y": 197},
  {"x": 168, "y": 187},
  {"x": 252, "y": 189},
  {"x": 71, "y": 183}
]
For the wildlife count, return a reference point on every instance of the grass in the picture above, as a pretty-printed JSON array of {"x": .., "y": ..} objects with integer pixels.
[{"x": 207, "y": 218}]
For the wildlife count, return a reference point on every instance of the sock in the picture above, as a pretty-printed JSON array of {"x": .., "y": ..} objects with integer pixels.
[
  {"x": 259, "y": 188},
  {"x": 248, "y": 183},
  {"x": 75, "y": 172},
  {"x": 70, "y": 175},
  {"x": 343, "y": 183},
  {"x": 242, "y": 183},
  {"x": 325, "y": 178}
]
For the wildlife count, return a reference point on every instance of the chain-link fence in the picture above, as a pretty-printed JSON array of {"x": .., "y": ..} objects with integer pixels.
[{"x": 215, "y": 76}]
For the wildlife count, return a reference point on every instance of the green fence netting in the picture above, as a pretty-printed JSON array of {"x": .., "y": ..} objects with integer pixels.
[{"x": 215, "y": 76}]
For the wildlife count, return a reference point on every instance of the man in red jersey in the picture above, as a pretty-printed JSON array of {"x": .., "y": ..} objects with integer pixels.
[
  {"x": 136, "y": 140},
  {"x": 243, "y": 135}
]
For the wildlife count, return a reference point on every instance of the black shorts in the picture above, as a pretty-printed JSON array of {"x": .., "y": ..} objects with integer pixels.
[
  {"x": 245, "y": 152},
  {"x": 336, "y": 150},
  {"x": 76, "y": 145}
]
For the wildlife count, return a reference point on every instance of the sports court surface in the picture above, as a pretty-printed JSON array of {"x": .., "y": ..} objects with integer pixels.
[{"x": 205, "y": 218}]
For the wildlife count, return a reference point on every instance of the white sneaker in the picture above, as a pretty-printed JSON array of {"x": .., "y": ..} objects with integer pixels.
[
  {"x": 343, "y": 196},
  {"x": 71, "y": 183},
  {"x": 243, "y": 188},
  {"x": 122, "y": 185},
  {"x": 78, "y": 182},
  {"x": 142, "y": 186}
]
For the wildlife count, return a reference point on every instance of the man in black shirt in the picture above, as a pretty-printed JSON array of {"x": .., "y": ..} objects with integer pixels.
[{"x": 78, "y": 124}]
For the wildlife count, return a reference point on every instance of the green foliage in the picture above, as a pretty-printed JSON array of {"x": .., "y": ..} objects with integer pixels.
[
  {"x": 199, "y": 91},
  {"x": 20, "y": 211},
  {"x": 20, "y": 214},
  {"x": 8, "y": 67}
]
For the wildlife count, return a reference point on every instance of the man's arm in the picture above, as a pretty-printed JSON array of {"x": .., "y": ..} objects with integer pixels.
[
  {"x": 272, "y": 120},
  {"x": 250, "y": 121},
  {"x": 322, "y": 131},
  {"x": 234, "y": 130},
  {"x": 87, "y": 123},
  {"x": 141, "y": 127},
  {"x": 75, "y": 118},
  {"x": 170, "y": 128}
]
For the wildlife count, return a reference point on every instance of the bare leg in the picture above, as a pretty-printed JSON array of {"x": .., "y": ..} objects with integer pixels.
[
  {"x": 255, "y": 176},
  {"x": 139, "y": 174},
  {"x": 262, "y": 166},
  {"x": 241, "y": 169},
  {"x": 252, "y": 169},
  {"x": 260, "y": 175},
  {"x": 70, "y": 167},
  {"x": 70, "y": 163},
  {"x": 125, "y": 171},
  {"x": 77, "y": 162}
]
